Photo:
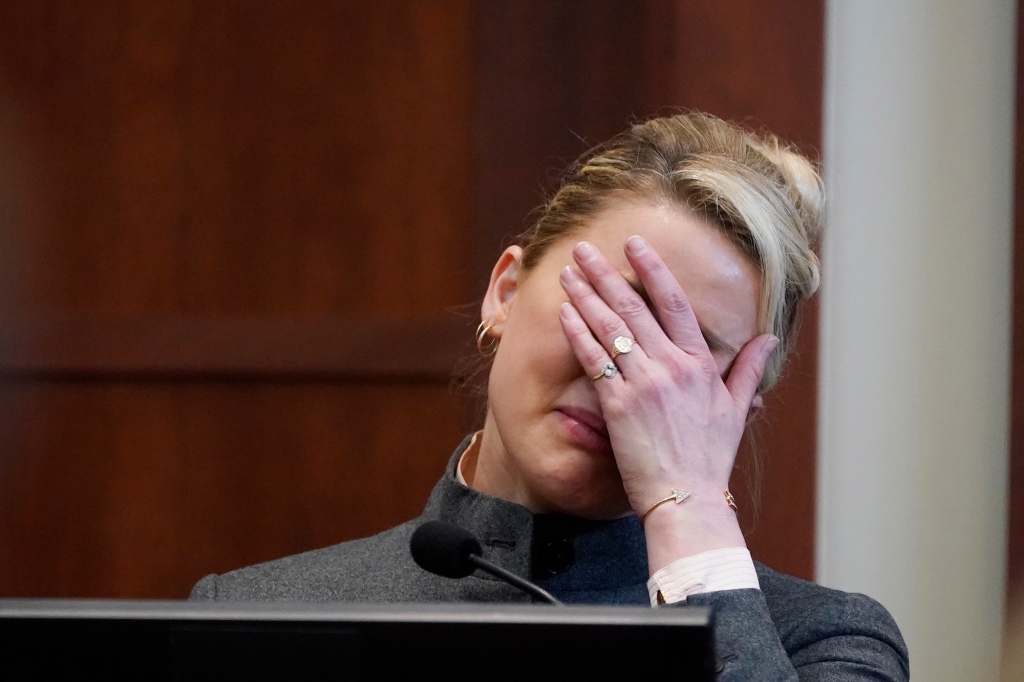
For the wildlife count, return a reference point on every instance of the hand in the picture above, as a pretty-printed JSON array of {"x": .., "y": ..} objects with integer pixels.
[{"x": 672, "y": 421}]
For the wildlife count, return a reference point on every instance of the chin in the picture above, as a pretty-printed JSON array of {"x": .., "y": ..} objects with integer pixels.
[{"x": 588, "y": 494}]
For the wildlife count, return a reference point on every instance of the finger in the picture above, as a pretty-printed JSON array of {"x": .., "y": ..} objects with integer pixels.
[
  {"x": 603, "y": 323},
  {"x": 747, "y": 370},
  {"x": 675, "y": 313},
  {"x": 591, "y": 355},
  {"x": 619, "y": 295}
]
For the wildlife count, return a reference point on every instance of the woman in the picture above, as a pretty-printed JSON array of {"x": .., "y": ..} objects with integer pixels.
[{"x": 632, "y": 330}]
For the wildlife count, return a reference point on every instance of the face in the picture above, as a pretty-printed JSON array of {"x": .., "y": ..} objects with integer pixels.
[{"x": 533, "y": 450}]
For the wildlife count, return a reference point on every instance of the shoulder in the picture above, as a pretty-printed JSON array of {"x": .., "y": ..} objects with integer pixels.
[
  {"x": 368, "y": 569},
  {"x": 793, "y": 601},
  {"x": 816, "y": 621}
]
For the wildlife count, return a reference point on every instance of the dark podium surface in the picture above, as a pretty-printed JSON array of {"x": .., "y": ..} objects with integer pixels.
[{"x": 180, "y": 640}]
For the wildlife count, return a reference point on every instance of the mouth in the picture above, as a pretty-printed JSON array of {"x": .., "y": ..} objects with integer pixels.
[{"x": 586, "y": 429}]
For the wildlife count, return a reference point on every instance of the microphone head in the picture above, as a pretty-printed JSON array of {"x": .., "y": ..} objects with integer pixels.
[{"x": 444, "y": 548}]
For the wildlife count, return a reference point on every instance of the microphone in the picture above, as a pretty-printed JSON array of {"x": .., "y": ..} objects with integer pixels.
[{"x": 453, "y": 552}]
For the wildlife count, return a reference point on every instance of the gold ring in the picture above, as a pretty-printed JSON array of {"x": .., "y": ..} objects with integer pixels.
[{"x": 621, "y": 346}]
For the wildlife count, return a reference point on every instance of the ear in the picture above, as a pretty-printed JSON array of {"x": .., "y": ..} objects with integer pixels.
[
  {"x": 501, "y": 291},
  {"x": 755, "y": 408}
]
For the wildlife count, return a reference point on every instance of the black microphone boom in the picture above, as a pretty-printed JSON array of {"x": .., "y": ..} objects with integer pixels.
[{"x": 453, "y": 552}]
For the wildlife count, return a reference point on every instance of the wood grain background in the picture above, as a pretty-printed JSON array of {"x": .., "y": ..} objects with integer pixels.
[
  {"x": 241, "y": 246},
  {"x": 1015, "y": 535}
]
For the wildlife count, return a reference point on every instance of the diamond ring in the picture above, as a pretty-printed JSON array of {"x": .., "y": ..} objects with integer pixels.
[{"x": 609, "y": 370}]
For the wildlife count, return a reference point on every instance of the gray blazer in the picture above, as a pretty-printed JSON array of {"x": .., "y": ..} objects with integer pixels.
[{"x": 790, "y": 629}]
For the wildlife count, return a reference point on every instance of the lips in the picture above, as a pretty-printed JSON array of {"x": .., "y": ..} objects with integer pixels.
[
  {"x": 590, "y": 419},
  {"x": 585, "y": 429}
]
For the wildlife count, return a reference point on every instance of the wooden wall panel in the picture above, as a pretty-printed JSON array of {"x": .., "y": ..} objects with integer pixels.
[
  {"x": 239, "y": 158},
  {"x": 125, "y": 489},
  {"x": 553, "y": 80},
  {"x": 61, "y": 346},
  {"x": 227, "y": 275},
  {"x": 1015, "y": 535}
]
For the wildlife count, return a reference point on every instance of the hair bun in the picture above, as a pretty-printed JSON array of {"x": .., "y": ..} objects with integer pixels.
[{"x": 803, "y": 184}]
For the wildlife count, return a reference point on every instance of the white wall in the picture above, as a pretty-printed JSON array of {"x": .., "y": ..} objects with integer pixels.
[{"x": 916, "y": 320}]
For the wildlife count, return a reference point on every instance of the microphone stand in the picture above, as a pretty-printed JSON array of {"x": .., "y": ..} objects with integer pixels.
[{"x": 525, "y": 585}]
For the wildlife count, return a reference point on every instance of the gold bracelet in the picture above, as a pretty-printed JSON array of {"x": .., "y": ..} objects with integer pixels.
[{"x": 678, "y": 496}]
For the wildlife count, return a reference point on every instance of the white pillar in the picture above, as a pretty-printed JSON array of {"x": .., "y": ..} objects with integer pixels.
[{"x": 915, "y": 336}]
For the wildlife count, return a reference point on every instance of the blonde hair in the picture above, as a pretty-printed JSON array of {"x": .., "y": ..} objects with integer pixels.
[{"x": 764, "y": 195}]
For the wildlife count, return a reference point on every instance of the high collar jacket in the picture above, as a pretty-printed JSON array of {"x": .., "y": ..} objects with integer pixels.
[{"x": 790, "y": 629}]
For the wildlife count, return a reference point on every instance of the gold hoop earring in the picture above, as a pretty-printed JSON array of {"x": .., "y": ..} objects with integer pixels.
[{"x": 488, "y": 350}]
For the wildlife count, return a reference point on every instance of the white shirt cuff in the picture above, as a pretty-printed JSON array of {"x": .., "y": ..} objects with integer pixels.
[{"x": 719, "y": 569}]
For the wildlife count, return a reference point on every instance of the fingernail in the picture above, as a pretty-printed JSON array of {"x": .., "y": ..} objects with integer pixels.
[
  {"x": 770, "y": 345},
  {"x": 585, "y": 252},
  {"x": 569, "y": 276},
  {"x": 636, "y": 244},
  {"x": 567, "y": 311}
]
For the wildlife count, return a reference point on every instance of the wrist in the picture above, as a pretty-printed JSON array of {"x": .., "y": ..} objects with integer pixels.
[{"x": 702, "y": 522}]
